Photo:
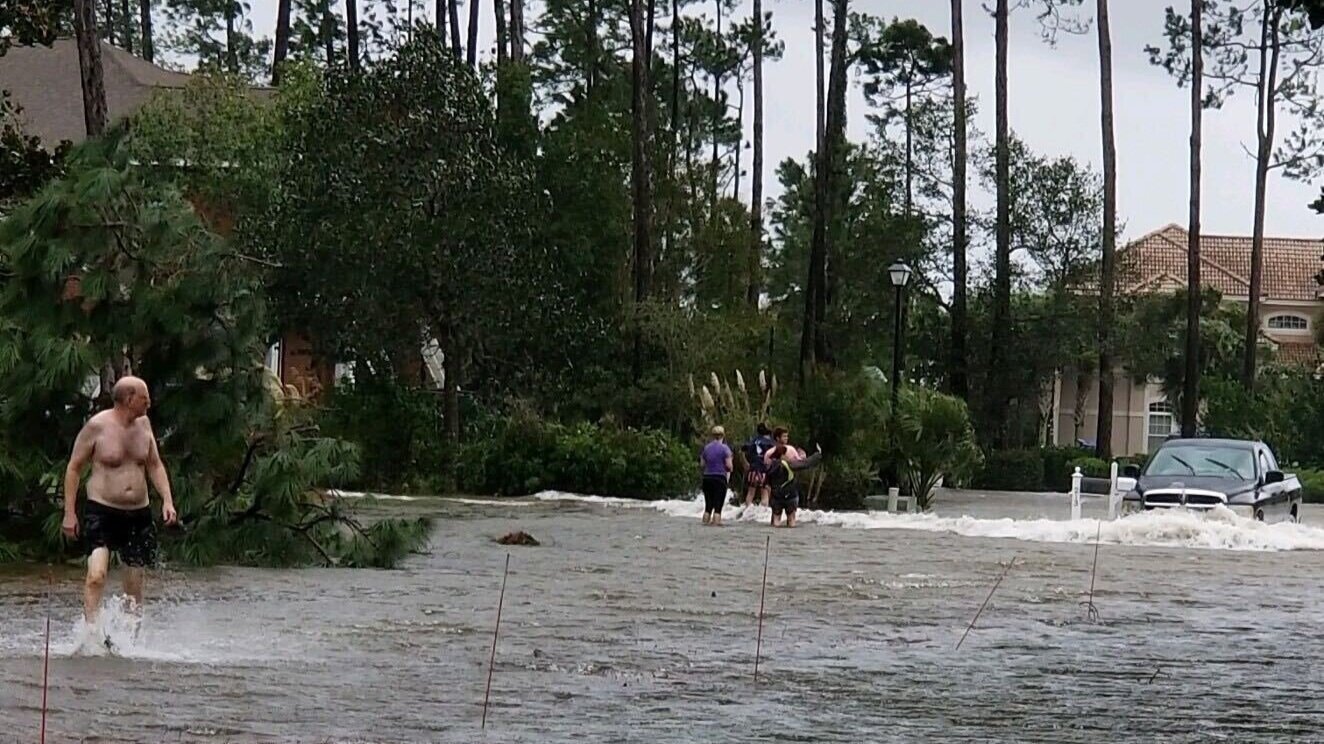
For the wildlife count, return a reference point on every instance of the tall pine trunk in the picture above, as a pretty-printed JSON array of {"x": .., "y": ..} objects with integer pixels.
[
  {"x": 814, "y": 346},
  {"x": 108, "y": 23},
  {"x": 1265, "y": 124},
  {"x": 126, "y": 21},
  {"x": 329, "y": 33},
  {"x": 440, "y": 23},
  {"x": 502, "y": 40},
  {"x": 352, "y": 32},
  {"x": 282, "y": 39},
  {"x": 1104, "y": 434},
  {"x": 820, "y": 78},
  {"x": 231, "y": 40},
  {"x": 89, "y": 67},
  {"x": 997, "y": 388},
  {"x": 517, "y": 30},
  {"x": 756, "y": 198},
  {"x": 960, "y": 377},
  {"x": 453, "y": 10},
  {"x": 717, "y": 115},
  {"x": 473, "y": 33},
  {"x": 1190, "y": 398},
  {"x": 639, "y": 175},
  {"x": 145, "y": 28}
]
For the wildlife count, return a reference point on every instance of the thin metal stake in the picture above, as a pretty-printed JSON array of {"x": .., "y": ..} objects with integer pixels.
[
  {"x": 758, "y": 646},
  {"x": 46, "y": 664},
  {"x": 501, "y": 600},
  {"x": 986, "y": 599},
  {"x": 1092, "y": 612}
]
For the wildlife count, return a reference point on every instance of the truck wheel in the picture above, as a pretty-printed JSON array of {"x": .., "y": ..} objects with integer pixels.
[
  {"x": 1294, "y": 517},
  {"x": 1259, "y": 515}
]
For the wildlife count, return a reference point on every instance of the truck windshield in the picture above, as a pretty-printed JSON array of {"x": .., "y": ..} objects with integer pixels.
[{"x": 1203, "y": 460}]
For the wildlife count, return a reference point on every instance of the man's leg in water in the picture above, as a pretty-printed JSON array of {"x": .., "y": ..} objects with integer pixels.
[
  {"x": 767, "y": 495},
  {"x": 790, "y": 517},
  {"x": 98, "y": 564},
  {"x": 133, "y": 586}
]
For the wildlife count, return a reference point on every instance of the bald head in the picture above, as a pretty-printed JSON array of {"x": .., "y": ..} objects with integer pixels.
[{"x": 130, "y": 393}]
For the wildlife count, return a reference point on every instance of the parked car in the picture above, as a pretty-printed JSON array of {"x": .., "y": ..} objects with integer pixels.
[{"x": 1201, "y": 474}]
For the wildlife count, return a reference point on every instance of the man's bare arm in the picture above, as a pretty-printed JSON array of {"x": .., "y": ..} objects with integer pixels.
[
  {"x": 156, "y": 471},
  {"x": 84, "y": 444}
]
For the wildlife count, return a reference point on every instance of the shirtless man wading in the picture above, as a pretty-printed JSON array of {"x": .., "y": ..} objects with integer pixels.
[{"x": 122, "y": 449}]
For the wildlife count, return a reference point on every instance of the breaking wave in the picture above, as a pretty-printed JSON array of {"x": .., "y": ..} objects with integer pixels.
[{"x": 1220, "y": 529}]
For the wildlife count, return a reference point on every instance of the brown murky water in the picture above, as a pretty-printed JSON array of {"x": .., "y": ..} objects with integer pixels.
[{"x": 634, "y": 623}]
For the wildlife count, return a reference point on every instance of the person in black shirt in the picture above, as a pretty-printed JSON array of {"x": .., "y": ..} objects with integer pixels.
[{"x": 785, "y": 488}]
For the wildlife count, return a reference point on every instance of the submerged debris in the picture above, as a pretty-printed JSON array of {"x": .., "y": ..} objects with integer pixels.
[{"x": 518, "y": 538}]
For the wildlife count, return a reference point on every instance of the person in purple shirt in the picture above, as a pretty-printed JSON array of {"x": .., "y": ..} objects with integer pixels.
[{"x": 715, "y": 463}]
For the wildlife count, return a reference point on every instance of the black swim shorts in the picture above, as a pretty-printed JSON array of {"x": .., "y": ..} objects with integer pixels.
[
  {"x": 787, "y": 503},
  {"x": 129, "y": 533}
]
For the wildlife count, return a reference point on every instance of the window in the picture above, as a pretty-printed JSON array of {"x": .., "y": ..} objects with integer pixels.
[
  {"x": 1288, "y": 323},
  {"x": 1162, "y": 424}
]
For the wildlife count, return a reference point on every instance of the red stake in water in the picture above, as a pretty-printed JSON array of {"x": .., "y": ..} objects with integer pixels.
[
  {"x": 491, "y": 661},
  {"x": 758, "y": 647},
  {"x": 46, "y": 664}
]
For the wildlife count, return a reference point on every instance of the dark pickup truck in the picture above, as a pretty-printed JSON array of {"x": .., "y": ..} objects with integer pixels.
[{"x": 1202, "y": 474}]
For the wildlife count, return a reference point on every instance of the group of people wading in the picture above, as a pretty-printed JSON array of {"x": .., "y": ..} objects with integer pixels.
[{"x": 771, "y": 463}]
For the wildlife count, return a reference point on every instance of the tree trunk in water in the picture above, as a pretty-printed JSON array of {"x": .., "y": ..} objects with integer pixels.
[
  {"x": 1190, "y": 399},
  {"x": 818, "y": 68},
  {"x": 231, "y": 43},
  {"x": 89, "y": 67},
  {"x": 960, "y": 379},
  {"x": 473, "y": 33},
  {"x": 1104, "y": 434},
  {"x": 453, "y": 10},
  {"x": 145, "y": 24},
  {"x": 756, "y": 198},
  {"x": 517, "y": 30},
  {"x": 639, "y": 176},
  {"x": 1265, "y": 123},
  {"x": 502, "y": 41},
  {"x": 282, "y": 38},
  {"x": 352, "y": 32},
  {"x": 997, "y": 388}
]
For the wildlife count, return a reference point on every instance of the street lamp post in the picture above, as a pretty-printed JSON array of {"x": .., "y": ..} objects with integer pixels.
[{"x": 900, "y": 275}]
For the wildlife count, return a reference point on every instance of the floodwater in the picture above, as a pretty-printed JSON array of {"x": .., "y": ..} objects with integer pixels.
[{"x": 633, "y": 623}]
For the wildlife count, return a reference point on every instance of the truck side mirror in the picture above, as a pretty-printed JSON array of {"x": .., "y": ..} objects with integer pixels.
[
  {"x": 1273, "y": 476},
  {"x": 1131, "y": 471}
]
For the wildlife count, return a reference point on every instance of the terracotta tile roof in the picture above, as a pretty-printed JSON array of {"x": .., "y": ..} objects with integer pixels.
[
  {"x": 1303, "y": 354},
  {"x": 46, "y": 82},
  {"x": 1157, "y": 262}
]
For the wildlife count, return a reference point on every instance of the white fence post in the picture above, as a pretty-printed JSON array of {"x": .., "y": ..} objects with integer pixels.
[
  {"x": 1113, "y": 496},
  {"x": 1076, "y": 478}
]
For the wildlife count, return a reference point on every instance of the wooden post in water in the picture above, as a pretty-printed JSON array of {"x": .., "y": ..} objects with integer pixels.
[
  {"x": 758, "y": 644},
  {"x": 495, "y": 631}
]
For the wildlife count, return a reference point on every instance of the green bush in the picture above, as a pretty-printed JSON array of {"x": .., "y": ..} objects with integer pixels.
[
  {"x": 1090, "y": 467},
  {"x": 398, "y": 429},
  {"x": 1312, "y": 485},
  {"x": 1012, "y": 470},
  {"x": 1057, "y": 468},
  {"x": 846, "y": 481},
  {"x": 929, "y": 438},
  {"x": 525, "y": 454}
]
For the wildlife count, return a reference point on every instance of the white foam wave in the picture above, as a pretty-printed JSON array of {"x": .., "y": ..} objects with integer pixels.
[
  {"x": 336, "y": 493},
  {"x": 1218, "y": 530}
]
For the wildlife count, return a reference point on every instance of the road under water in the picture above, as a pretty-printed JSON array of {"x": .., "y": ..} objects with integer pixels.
[{"x": 632, "y": 622}]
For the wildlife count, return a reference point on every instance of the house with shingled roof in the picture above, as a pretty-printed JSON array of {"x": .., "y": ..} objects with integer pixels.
[
  {"x": 46, "y": 83},
  {"x": 1291, "y": 309}
]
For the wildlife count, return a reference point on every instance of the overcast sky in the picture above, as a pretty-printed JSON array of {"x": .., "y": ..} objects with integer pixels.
[{"x": 1054, "y": 107}]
